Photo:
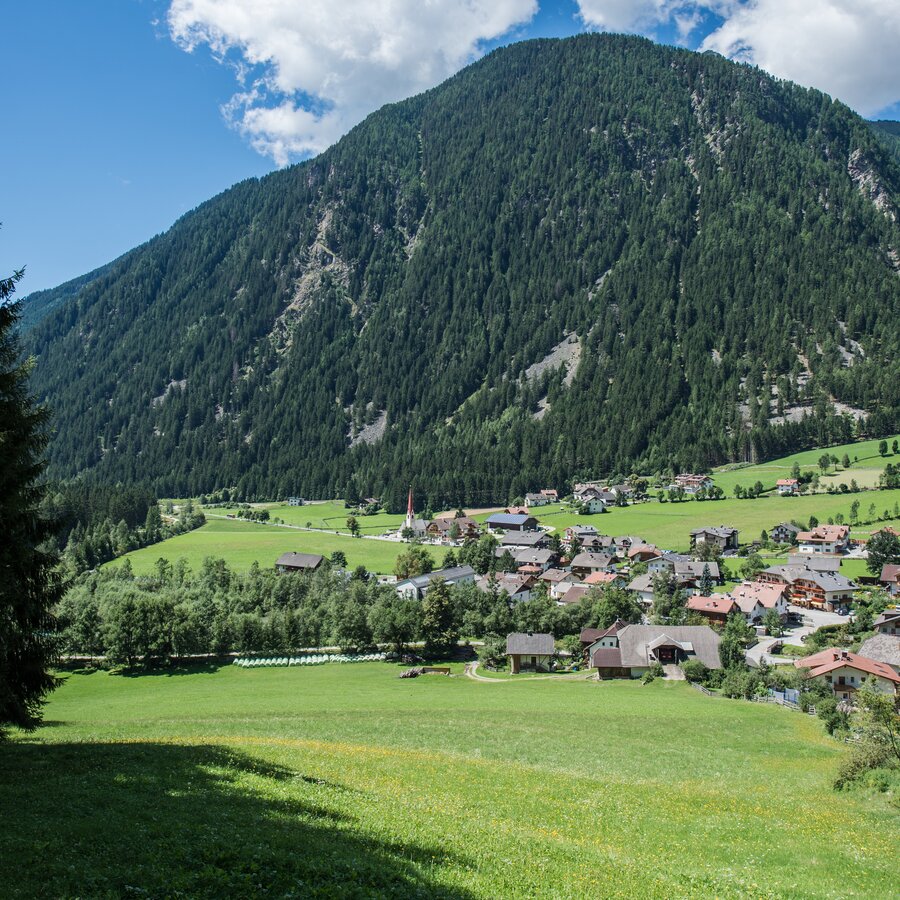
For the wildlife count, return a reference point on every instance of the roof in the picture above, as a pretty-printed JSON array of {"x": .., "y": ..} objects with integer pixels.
[
  {"x": 511, "y": 583},
  {"x": 454, "y": 574},
  {"x": 528, "y": 555},
  {"x": 827, "y": 581},
  {"x": 601, "y": 577},
  {"x": 837, "y": 658},
  {"x": 882, "y": 648},
  {"x": 589, "y": 635},
  {"x": 635, "y": 549},
  {"x": 748, "y": 594},
  {"x": 634, "y": 642},
  {"x": 520, "y": 539},
  {"x": 574, "y": 593},
  {"x": 502, "y": 519},
  {"x": 721, "y": 604},
  {"x": 787, "y": 526},
  {"x": 723, "y": 531},
  {"x": 530, "y": 643},
  {"x": 825, "y": 533},
  {"x": 694, "y": 568},
  {"x": 786, "y": 482},
  {"x": 299, "y": 560},
  {"x": 889, "y": 615},
  {"x": 815, "y": 561},
  {"x": 607, "y": 658},
  {"x": 582, "y": 530},
  {"x": 554, "y": 575},
  {"x": 642, "y": 583},
  {"x": 591, "y": 561},
  {"x": 890, "y": 572}
]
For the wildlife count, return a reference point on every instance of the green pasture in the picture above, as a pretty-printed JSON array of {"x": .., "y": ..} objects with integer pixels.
[
  {"x": 345, "y": 781},
  {"x": 865, "y": 466},
  {"x": 242, "y": 543},
  {"x": 331, "y": 515}
]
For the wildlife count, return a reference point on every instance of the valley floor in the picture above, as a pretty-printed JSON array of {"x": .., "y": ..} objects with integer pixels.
[{"x": 347, "y": 781}]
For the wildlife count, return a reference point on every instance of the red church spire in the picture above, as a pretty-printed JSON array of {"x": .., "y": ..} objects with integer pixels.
[{"x": 409, "y": 506}]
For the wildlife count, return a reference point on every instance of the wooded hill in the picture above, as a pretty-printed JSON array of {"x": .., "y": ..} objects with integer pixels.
[{"x": 575, "y": 257}]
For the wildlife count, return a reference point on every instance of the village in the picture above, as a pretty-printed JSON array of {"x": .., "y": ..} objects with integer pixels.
[{"x": 719, "y": 580}]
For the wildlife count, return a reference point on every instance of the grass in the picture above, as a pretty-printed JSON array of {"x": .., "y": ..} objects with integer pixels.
[
  {"x": 243, "y": 543},
  {"x": 865, "y": 466},
  {"x": 330, "y": 515},
  {"x": 348, "y": 782}
]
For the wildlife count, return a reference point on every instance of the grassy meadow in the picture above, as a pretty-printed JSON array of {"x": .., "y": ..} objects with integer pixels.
[{"x": 344, "y": 781}]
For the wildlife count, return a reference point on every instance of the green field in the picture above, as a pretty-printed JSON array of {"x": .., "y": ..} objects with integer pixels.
[
  {"x": 866, "y": 468},
  {"x": 330, "y": 515},
  {"x": 243, "y": 543},
  {"x": 344, "y": 781}
]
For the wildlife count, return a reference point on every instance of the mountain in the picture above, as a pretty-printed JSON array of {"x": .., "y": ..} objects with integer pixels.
[
  {"x": 39, "y": 304},
  {"x": 574, "y": 257},
  {"x": 889, "y": 132}
]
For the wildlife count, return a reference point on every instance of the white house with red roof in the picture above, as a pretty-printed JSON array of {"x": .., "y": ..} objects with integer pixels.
[
  {"x": 715, "y": 609},
  {"x": 787, "y": 487},
  {"x": 824, "y": 539},
  {"x": 754, "y": 599},
  {"x": 846, "y": 671}
]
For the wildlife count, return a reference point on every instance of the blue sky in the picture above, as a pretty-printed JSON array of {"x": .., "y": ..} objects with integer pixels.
[{"x": 124, "y": 114}]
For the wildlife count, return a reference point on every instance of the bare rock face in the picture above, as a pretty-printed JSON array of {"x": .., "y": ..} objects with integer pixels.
[{"x": 866, "y": 179}]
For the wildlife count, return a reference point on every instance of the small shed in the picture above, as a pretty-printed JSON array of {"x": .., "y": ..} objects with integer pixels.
[{"x": 530, "y": 651}]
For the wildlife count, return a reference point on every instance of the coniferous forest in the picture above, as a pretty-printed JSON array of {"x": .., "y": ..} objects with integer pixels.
[{"x": 714, "y": 254}]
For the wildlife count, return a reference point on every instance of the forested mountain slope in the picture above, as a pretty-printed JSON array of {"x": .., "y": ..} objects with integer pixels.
[{"x": 574, "y": 257}]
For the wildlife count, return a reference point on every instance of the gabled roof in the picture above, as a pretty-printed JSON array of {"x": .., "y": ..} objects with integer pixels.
[
  {"x": 787, "y": 526},
  {"x": 889, "y": 615},
  {"x": 299, "y": 560},
  {"x": 824, "y": 534},
  {"x": 523, "y": 539},
  {"x": 837, "y": 658},
  {"x": 753, "y": 592},
  {"x": 722, "y": 604},
  {"x": 634, "y": 641},
  {"x": 883, "y": 648},
  {"x": 786, "y": 482},
  {"x": 827, "y": 581},
  {"x": 530, "y": 643},
  {"x": 890, "y": 573},
  {"x": 602, "y": 577},
  {"x": 693, "y": 568},
  {"x": 607, "y": 658},
  {"x": 554, "y": 575},
  {"x": 642, "y": 583},
  {"x": 574, "y": 593},
  {"x": 723, "y": 531},
  {"x": 591, "y": 561},
  {"x": 422, "y": 581},
  {"x": 502, "y": 519}
]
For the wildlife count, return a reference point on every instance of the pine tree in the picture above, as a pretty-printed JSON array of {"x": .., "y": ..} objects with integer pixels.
[{"x": 30, "y": 584}]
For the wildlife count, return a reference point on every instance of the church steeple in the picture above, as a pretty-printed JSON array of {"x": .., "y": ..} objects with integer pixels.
[{"x": 410, "y": 515}]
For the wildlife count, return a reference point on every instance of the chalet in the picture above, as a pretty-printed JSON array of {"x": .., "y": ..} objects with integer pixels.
[
  {"x": 715, "y": 609},
  {"x": 511, "y": 522},
  {"x": 517, "y": 586},
  {"x": 602, "y": 579},
  {"x": 529, "y": 651},
  {"x": 536, "y": 500},
  {"x": 784, "y": 533},
  {"x": 295, "y": 501},
  {"x": 624, "y": 542},
  {"x": 588, "y": 493},
  {"x": 755, "y": 598},
  {"x": 808, "y": 588},
  {"x": 815, "y": 562},
  {"x": 585, "y": 563},
  {"x": 551, "y": 494},
  {"x": 846, "y": 671},
  {"x": 642, "y": 553},
  {"x": 417, "y": 586},
  {"x": 642, "y": 586},
  {"x": 640, "y": 646},
  {"x": 787, "y": 487},
  {"x": 298, "y": 562},
  {"x": 890, "y": 579},
  {"x": 442, "y": 527},
  {"x": 832, "y": 539},
  {"x": 690, "y": 572},
  {"x": 888, "y": 622},
  {"x": 574, "y": 594},
  {"x": 600, "y": 637},
  {"x": 558, "y": 581},
  {"x": 594, "y": 505},
  {"x": 722, "y": 536},
  {"x": 516, "y": 511},
  {"x": 542, "y": 559},
  {"x": 665, "y": 562},
  {"x": 883, "y": 648},
  {"x": 692, "y": 484},
  {"x": 518, "y": 539}
]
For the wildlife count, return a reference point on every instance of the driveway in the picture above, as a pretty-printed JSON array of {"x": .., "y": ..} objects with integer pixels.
[{"x": 812, "y": 619}]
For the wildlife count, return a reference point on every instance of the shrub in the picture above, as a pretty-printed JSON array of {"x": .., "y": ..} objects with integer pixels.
[
  {"x": 863, "y": 758},
  {"x": 695, "y": 670}
]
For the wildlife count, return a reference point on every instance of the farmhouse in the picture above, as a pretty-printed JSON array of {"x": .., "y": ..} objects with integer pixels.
[
  {"x": 890, "y": 579},
  {"x": 690, "y": 572},
  {"x": 640, "y": 646},
  {"x": 535, "y": 539},
  {"x": 417, "y": 586},
  {"x": 642, "y": 553},
  {"x": 784, "y": 533},
  {"x": 511, "y": 522},
  {"x": 715, "y": 610},
  {"x": 592, "y": 638},
  {"x": 692, "y": 484},
  {"x": 542, "y": 559},
  {"x": 722, "y": 536},
  {"x": 443, "y": 527},
  {"x": 665, "y": 562},
  {"x": 824, "y": 539},
  {"x": 530, "y": 651},
  {"x": 787, "y": 487},
  {"x": 298, "y": 562},
  {"x": 551, "y": 494},
  {"x": 594, "y": 505},
  {"x": 846, "y": 671}
]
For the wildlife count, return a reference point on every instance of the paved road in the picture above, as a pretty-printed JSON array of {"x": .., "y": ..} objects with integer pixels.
[{"x": 813, "y": 619}]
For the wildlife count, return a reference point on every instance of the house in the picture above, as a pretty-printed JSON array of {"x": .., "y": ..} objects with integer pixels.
[
  {"x": 604, "y": 578},
  {"x": 584, "y": 563},
  {"x": 624, "y": 542},
  {"x": 692, "y": 484},
  {"x": 755, "y": 598},
  {"x": 417, "y": 586},
  {"x": 846, "y": 671},
  {"x": 642, "y": 553},
  {"x": 516, "y": 510},
  {"x": 574, "y": 594},
  {"x": 784, "y": 533},
  {"x": 890, "y": 579},
  {"x": 295, "y": 501},
  {"x": 558, "y": 581},
  {"x": 883, "y": 648},
  {"x": 640, "y": 646},
  {"x": 298, "y": 562},
  {"x": 536, "y": 500},
  {"x": 551, "y": 494},
  {"x": 689, "y": 572},
  {"x": 715, "y": 609},
  {"x": 888, "y": 622},
  {"x": 601, "y": 637},
  {"x": 511, "y": 522},
  {"x": 517, "y": 586},
  {"x": 518, "y": 539},
  {"x": 815, "y": 562},
  {"x": 787, "y": 487},
  {"x": 441, "y": 528},
  {"x": 808, "y": 588},
  {"x": 542, "y": 559},
  {"x": 665, "y": 562},
  {"x": 594, "y": 505},
  {"x": 530, "y": 651},
  {"x": 642, "y": 586},
  {"x": 722, "y": 536},
  {"x": 824, "y": 539}
]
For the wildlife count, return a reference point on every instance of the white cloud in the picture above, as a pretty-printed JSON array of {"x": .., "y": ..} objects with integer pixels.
[
  {"x": 320, "y": 66},
  {"x": 848, "y": 48}
]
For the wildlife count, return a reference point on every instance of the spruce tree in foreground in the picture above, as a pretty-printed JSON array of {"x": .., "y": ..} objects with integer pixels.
[{"x": 29, "y": 582}]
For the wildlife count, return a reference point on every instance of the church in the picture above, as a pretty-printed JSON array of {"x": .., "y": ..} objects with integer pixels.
[{"x": 416, "y": 526}]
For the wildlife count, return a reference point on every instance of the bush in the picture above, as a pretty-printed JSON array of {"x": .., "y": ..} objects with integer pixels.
[
  {"x": 740, "y": 683},
  {"x": 695, "y": 670},
  {"x": 863, "y": 758},
  {"x": 655, "y": 671},
  {"x": 832, "y": 714}
]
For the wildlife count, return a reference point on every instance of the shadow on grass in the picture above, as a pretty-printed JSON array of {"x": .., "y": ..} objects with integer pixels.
[
  {"x": 193, "y": 667},
  {"x": 158, "y": 820}
]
